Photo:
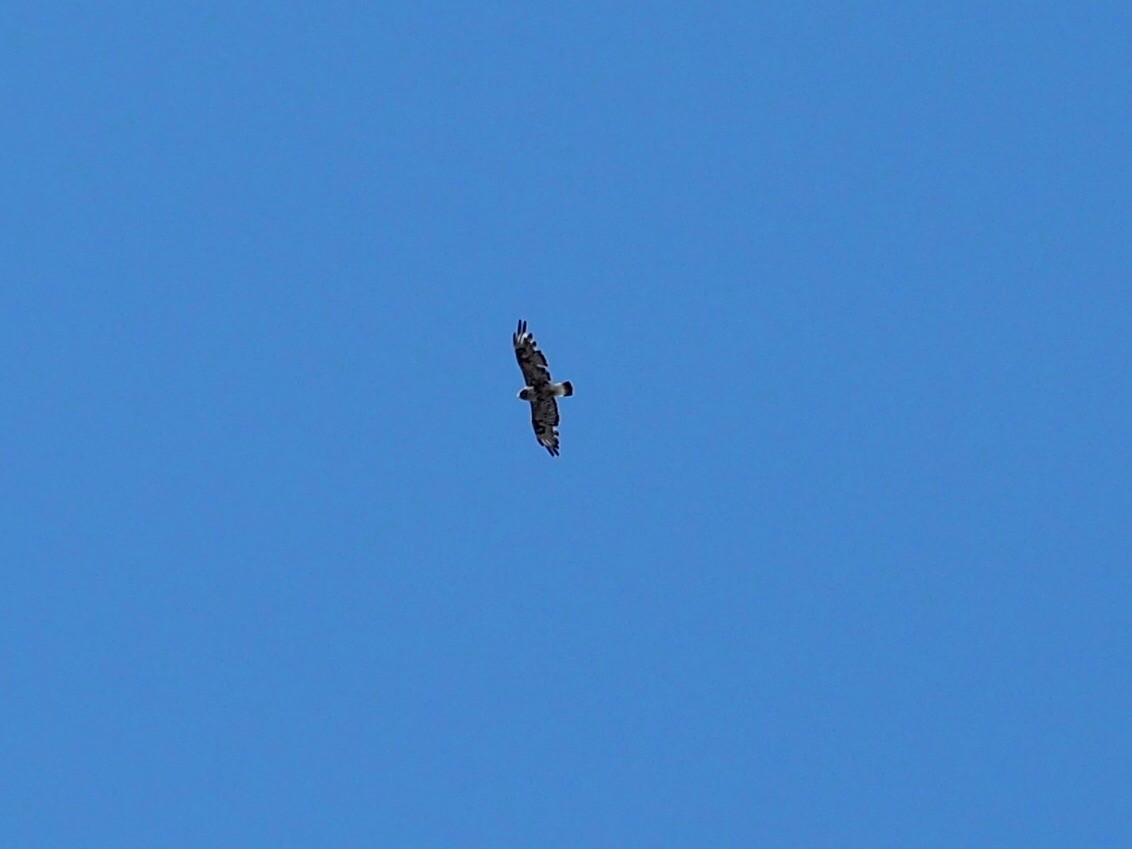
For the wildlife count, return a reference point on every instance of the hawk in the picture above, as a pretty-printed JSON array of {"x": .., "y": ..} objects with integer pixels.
[{"x": 540, "y": 390}]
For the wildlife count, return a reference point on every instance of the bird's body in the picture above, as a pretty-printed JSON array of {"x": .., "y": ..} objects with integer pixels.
[
  {"x": 554, "y": 390},
  {"x": 541, "y": 392}
]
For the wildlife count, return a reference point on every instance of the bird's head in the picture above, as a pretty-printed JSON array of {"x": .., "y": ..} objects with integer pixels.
[{"x": 526, "y": 394}]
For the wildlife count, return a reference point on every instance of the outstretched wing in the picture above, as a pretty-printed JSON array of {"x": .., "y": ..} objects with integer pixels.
[
  {"x": 544, "y": 417},
  {"x": 531, "y": 359}
]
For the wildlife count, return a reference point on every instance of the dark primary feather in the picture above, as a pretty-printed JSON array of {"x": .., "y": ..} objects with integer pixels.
[{"x": 532, "y": 362}]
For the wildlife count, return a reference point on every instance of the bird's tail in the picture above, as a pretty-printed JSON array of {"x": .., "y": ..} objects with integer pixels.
[{"x": 567, "y": 389}]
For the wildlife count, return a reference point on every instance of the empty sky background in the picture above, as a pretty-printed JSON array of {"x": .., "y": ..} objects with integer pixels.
[{"x": 837, "y": 550}]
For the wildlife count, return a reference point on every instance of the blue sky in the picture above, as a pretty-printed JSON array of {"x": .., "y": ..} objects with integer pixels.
[{"x": 836, "y": 552}]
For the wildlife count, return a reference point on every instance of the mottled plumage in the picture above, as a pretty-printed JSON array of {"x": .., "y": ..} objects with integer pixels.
[{"x": 540, "y": 391}]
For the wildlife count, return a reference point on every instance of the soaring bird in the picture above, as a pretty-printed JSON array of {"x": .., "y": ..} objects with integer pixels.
[{"x": 540, "y": 391}]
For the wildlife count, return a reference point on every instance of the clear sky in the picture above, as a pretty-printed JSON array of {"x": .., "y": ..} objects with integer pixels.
[{"x": 836, "y": 553}]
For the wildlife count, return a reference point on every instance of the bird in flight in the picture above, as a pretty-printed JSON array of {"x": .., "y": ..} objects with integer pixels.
[{"x": 540, "y": 391}]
